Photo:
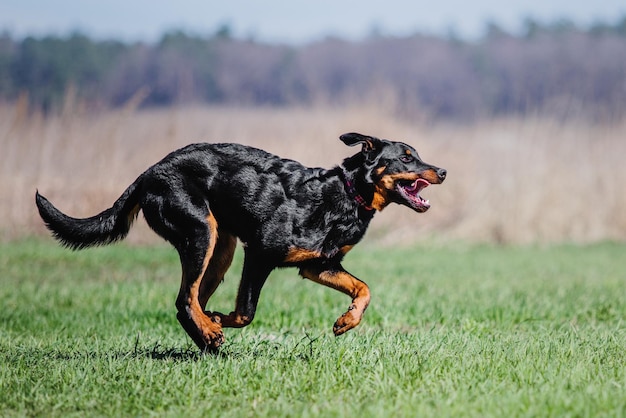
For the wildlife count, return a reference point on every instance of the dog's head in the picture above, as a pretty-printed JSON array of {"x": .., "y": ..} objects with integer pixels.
[{"x": 395, "y": 170}]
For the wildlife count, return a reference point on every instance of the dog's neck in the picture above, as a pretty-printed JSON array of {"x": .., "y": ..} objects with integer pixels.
[{"x": 350, "y": 184}]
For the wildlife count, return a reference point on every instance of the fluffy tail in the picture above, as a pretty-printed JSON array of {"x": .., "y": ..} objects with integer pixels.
[{"x": 108, "y": 226}]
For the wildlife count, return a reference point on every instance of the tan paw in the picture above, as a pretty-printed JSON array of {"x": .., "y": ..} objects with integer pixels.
[
  {"x": 348, "y": 320},
  {"x": 212, "y": 334}
]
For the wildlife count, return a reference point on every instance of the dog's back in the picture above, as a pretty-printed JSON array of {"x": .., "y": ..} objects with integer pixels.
[{"x": 266, "y": 201}]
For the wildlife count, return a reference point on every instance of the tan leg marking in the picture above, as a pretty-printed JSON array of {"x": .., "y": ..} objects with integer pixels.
[
  {"x": 218, "y": 265},
  {"x": 351, "y": 286},
  {"x": 205, "y": 332}
]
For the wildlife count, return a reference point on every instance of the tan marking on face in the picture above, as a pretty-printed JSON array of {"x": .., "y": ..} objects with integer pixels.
[
  {"x": 430, "y": 176},
  {"x": 385, "y": 184},
  {"x": 380, "y": 199},
  {"x": 388, "y": 181}
]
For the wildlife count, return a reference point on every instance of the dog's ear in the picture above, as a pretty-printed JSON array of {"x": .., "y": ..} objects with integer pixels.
[
  {"x": 371, "y": 150},
  {"x": 369, "y": 142}
]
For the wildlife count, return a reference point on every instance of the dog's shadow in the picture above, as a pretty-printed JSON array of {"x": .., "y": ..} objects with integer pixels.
[
  {"x": 154, "y": 352},
  {"x": 166, "y": 353},
  {"x": 159, "y": 352},
  {"x": 303, "y": 349}
]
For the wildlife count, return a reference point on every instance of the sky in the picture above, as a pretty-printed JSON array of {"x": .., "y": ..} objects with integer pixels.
[{"x": 292, "y": 22}]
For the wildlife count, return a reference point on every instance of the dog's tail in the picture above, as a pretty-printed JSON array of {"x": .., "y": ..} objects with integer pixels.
[{"x": 108, "y": 226}]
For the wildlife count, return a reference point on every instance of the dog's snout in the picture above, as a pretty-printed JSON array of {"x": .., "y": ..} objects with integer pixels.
[{"x": 441, "y": 173}]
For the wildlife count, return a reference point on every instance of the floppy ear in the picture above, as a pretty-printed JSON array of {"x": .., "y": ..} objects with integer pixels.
[
  {"x": 371, "y": 150},
  {"x": 351, "y": 139}
]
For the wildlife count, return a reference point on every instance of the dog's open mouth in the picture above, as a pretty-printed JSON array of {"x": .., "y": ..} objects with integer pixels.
[{"x": 410, "y": 193}]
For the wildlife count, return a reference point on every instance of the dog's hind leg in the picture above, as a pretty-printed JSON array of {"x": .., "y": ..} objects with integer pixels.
[
  {"x": 178, "y": 212},
  {"x": 189, "y": 225},
  {"x": 195, "y": 258},
  {"x": 220, "y": 262}
]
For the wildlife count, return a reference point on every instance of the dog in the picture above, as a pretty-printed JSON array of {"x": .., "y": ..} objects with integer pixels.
[{"x": 203, "y": 197}]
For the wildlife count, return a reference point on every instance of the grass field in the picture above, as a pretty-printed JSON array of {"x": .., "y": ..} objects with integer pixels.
[{"x": 460, "y": 330}]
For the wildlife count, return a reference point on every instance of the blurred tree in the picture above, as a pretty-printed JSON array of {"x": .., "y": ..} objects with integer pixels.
[
  {"x": 7, "y": 51},
  {"x": 531, "y": 28},
  {"x": 494, "y": 31},
  {"x": 46, "y": 67},
  {"x": 224, "y": 32},
  {"x": 552, "y": 67}
]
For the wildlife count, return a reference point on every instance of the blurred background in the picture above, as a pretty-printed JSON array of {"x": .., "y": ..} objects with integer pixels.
[{"x": 524, "y": 102}]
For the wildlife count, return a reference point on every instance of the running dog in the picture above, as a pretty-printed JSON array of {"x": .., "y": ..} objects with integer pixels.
[{"x": 203, "y": 197}]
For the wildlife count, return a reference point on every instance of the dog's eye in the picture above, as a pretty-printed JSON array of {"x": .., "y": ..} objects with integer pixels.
[{"x": 406, "y": 158}]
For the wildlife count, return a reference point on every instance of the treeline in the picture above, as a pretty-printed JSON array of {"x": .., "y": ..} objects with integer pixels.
[{"x": 557, "y": 68}]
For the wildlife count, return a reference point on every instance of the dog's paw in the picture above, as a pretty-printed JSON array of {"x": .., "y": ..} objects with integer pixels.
[
  {"x": 212, "y": 334},
  {"x": 212, "y": 342},
  {"x": 347, "y": 321},
  {"x": 205, "y": 331}
]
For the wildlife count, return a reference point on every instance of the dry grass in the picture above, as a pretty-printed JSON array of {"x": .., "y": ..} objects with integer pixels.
[{"x": 510, "y": 180}]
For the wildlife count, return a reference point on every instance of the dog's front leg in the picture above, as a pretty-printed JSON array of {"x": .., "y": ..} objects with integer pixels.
[
  {"x": 339, "y": 279},
  {"x": 255, "y": 272}
]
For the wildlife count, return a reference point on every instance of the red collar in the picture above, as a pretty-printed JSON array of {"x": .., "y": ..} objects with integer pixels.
[{"x": 354, "y": 194}]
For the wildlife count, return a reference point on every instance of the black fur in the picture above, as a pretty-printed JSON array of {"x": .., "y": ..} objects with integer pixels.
[
  {"x": 109, "y": 226},
  {"x": 200, "y": 197}
]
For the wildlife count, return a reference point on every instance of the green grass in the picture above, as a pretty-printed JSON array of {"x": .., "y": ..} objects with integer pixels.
[{"x": 457, "y": 330}]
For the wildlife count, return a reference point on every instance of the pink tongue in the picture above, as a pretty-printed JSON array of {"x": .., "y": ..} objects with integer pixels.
[{"x": 419, "y": 185}]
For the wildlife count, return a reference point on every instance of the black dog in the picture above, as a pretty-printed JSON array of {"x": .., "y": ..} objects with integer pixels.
[{"x": 201, "y": 198}]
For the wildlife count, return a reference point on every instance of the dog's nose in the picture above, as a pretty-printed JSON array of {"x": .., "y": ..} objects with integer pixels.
[{"x": 441, "y": 173}]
